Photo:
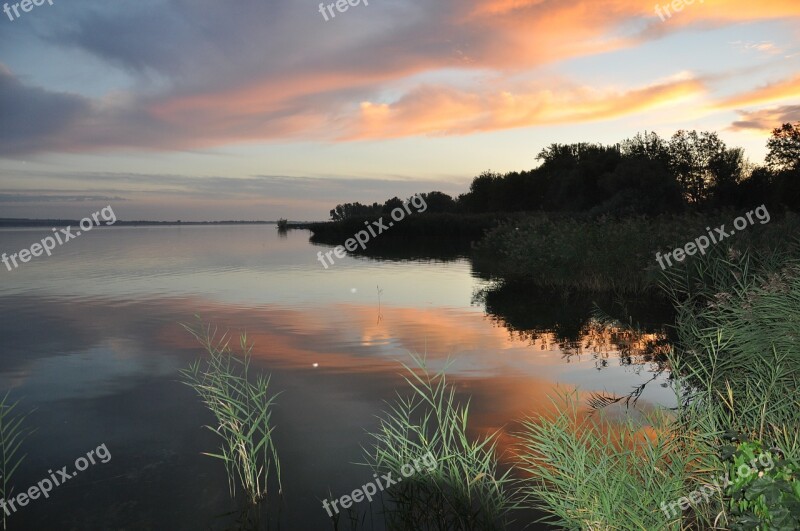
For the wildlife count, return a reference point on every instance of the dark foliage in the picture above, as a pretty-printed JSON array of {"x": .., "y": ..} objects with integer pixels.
[{"x": 644, "y": 175}]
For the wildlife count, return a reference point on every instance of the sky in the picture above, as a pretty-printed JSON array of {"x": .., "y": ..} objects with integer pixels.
[{"x": 261, "y": 109}]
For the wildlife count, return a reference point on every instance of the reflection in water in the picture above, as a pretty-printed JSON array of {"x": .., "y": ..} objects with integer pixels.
[
  {"x": 605, "y": 341},
  {"x": 90, "y": 338},
  {"x": 580, "y": 324}
]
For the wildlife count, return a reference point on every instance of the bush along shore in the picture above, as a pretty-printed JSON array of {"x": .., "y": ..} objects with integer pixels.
[{"x": 611, "y": 254}]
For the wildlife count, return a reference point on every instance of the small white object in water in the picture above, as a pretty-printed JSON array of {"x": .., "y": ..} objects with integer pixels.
[{"x": 316, "y": 365}]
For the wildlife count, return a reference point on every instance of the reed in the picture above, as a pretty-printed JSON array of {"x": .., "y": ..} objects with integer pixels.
[
  {"x": 607, "y": 254},
  {"x": 12, "y": 434},
  {"x": 735, "y": 368},
  {"x": 465, "y": 490},
  {"x": 587, "y": 472},
  {"x": 242, "y": 406}
]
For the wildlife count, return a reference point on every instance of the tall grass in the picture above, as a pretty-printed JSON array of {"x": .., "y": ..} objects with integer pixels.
[
  {"x": 739, "y": 327},
  {"x": 736, "y": 369},
  {"x": 589, "y": 473},
  {"x": 12, "y": 434},
  {"x": 242, "y": 406},
  {"x": 758, "y": 403},
  {"x": 465, "y": 490}
]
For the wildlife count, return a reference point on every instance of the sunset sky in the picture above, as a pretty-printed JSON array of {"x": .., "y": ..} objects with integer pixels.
[{"x": 259, "y": 109}]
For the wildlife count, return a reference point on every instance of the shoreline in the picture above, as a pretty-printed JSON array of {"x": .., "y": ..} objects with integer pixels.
[{"x": 21, "y": 223}]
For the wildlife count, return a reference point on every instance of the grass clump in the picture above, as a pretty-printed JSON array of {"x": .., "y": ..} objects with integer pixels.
[
  {"x": 464, "y": 489},
  {"x": 242, "y": 406},
  {"x": 12, "y": 434},
  {"x": 589, "y": 473}
]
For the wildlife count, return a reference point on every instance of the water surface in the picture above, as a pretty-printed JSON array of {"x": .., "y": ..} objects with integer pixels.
[{"x": 91, "y": 343}]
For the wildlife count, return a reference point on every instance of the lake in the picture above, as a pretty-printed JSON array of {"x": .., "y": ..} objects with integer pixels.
[{"x": 92, "y": 344}]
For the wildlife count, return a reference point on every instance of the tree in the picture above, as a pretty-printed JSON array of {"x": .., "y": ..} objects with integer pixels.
[
  {"x": 648, "y": 146},
  {"x": 391, "y": 204},
  {"x": 483, "y": 193},
  {"x": 693, "y": 157},
  {"x": 439, "y": 202},
  {"x": 727, "y": 169},
  {"x": 352, "y": 210},
  {"x": 757, "y": 188},
  {"x": 643, "y": 181},
  {"x": 575, "y": 171},
  {"x": 784, "y": 148}
]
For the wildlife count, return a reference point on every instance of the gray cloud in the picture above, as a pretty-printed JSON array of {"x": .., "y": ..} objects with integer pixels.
[
  {"x": 32, "y": 118},
  {"x": 170, "y": 197},
  {"x": 330, "y": 190},
  {"x": 50, "y": 198},
  {"x": 767, "y": 119}
]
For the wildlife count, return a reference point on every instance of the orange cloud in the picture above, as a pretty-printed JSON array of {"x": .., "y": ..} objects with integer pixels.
[
  {"x": 542, "y": 31},
  {"x": 605, "y": 10},
  {"x": 781, "y": 90},
  {"x": 734, "y": 10},
  {"x": 445, "y": 111},
  {"x": 525, "y": 34}
]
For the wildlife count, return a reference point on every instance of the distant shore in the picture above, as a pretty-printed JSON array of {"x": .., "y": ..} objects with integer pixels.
[{"x": 22, "y": 222}]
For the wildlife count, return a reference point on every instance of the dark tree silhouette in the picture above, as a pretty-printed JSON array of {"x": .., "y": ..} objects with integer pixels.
[
  {"x": 391, "y": 204},
  {"x": 642, "y": 175},
  {"x": 693, "y": 157},
  {"x": 784, "y": 148},
  {"x": 352, "y": 210},
  {"x": 439, "y": 202}
]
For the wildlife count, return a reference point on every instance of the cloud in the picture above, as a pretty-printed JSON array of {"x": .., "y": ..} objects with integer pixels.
[
  {"x": 170, "y": 197},
  {"x": 250, "y": 116},
  {"x": 766, "y": 47},
  {"x": 766, "y": 120},
  {"x": 445, "y": 111},
  {"x": 204, "y": 73},
  {"x": 33, "y": 118},
  {"x": 770, "y": 93},
  {"x": 48, "y": 198},
  {"x": 276, "y": 186}
]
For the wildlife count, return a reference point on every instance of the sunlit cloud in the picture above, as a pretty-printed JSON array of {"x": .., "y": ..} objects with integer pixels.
[
  {"x": 765, "y": 120},
  {"x": 770, "y": 93},
  {"x": 761, "y": 47},
  {"x": 442, "y": 110},
  {"x": 295, "y": 78}
]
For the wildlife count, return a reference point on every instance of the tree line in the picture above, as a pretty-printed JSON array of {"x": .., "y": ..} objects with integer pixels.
[{"x": 643, "y": 175}]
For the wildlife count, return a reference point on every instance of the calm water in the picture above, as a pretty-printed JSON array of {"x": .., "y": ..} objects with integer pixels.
[{"x": 91, "y": 343}]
